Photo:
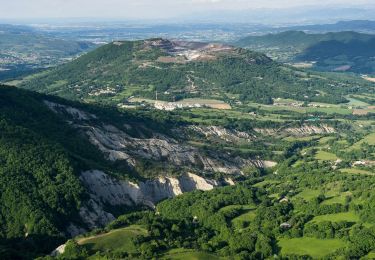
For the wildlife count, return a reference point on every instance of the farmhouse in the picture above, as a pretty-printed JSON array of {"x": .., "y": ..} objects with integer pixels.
[{"x": 285, "y": 225}]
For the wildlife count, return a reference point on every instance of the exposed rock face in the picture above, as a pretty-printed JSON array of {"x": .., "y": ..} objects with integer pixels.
[
  {"x": 112, "y": 191},
  {"x": 93, "y": 214},
  {"x": 74, "y": 112},
  {"x": 227, "y": 135},
  {"x": 106, "y": 190},
  {"x": 58, "y": 251},
  {"x": 190, "y": 51},
  {"x": 117, "y": 145},
  {"x": 304, "y": 130},
  {"x": 120, "y": 146}
]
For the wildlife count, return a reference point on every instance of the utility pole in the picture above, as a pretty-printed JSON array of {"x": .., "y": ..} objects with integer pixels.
[{"x": 156, "y": 95}]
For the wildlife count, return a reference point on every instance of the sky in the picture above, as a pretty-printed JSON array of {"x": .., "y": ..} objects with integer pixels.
[{"x": 147, "y": 9}]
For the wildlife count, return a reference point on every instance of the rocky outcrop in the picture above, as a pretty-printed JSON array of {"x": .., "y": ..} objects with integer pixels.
[
  {"x": 58, "y": 251},
  {"x": 228, "y": 135},
  {"x": 74, "y": 112},
  {"x": 112, "y": 191},
  {"x": 118, "y": 145},
  {"x": 106, "y": 190},
  {"x": 93, "y": 213},
  {"x": 304, "y": 130}
]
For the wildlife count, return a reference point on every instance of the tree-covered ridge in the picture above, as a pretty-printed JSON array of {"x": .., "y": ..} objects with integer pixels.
[
  {"x": 40, "y": 190},
  {"x": 41, "y": 158},
  {"x": 303, "y": 212},
  {"x": 175, "y": 70},
  {"x": 328, "y": 51}
]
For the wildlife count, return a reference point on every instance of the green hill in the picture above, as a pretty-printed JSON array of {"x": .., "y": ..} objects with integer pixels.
[
  {"x": 347, "y": 51},
  {"x": 177, "y": 70}
]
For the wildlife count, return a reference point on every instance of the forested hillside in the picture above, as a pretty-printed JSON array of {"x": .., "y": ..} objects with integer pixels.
[
  {"x": 54, "y": 152},
  {"x": 40, "y": 190},
  {"x": 176, "y": 70},
  {"x": 329, "y": 51},
  {"x": 303, "y": 212}
]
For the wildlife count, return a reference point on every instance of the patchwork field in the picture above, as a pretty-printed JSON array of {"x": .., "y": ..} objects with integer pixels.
[
  {"x": 317, "y": 248},
  {"x": 240, "y": 221},
  {"x": 370, "y": 139},
  {"x": 325, "y": 156},
  {"x": 356, "y": 171},
  {"x": 308, "y": 194},
  {"x": 324, "y": 108},
  {"x": 119, "y": 239},
  {"x": 186, "y": 254},
  {"x": 342, "y": 216}
]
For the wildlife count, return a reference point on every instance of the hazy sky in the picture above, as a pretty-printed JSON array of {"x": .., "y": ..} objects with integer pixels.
[{"x": 140, "y": 9}]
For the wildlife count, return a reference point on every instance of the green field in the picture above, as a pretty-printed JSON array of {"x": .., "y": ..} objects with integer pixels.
[
  {"x": 247, "y": 217},
  {"x": 230, "y": 207},
  {"x": 336, "y": 199},
  {"x": 370, "y": 255},
  {"x": 316, "y": 248},
  {"x": 324, "y": 140},
  {"x": 308, "y": 194},
  {"x": 117, "y": 240},
  {"x": 325, "y": 156},
  {"x": 127, "y": 92},
  {"x": 186, "y": 254},
  {"x": 333, "y": 109},
  {"x": 264, "y": 183},
  {"x": 303, "y": 138},
  {"x": 356, "y": 171},
  {"x": 370, "y": 139},
  {"x": 356, "y": 102},
  {"x": 337, "y": 217}
]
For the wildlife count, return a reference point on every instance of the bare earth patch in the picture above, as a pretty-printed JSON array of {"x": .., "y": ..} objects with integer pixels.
[
  {"x": 369, "y": 109},
  {"x": 302, "y": 65},
  {"x": 369, "y": 79},
  {"x": 343, "y": 68},
  {"x": 171, "y": 59},
  {"x": 360, "y": 112}
]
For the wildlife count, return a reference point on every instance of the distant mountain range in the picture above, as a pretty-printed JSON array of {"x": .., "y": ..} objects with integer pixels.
[
  {"x": 303, "y": 15},
  {"x": 355, "y": 25},
  {"x": 24, "y": 50},
  {"x": 334, "y": 51}
]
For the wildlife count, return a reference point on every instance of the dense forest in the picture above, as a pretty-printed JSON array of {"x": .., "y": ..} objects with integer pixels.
[{"x": 329, "y": 51}]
